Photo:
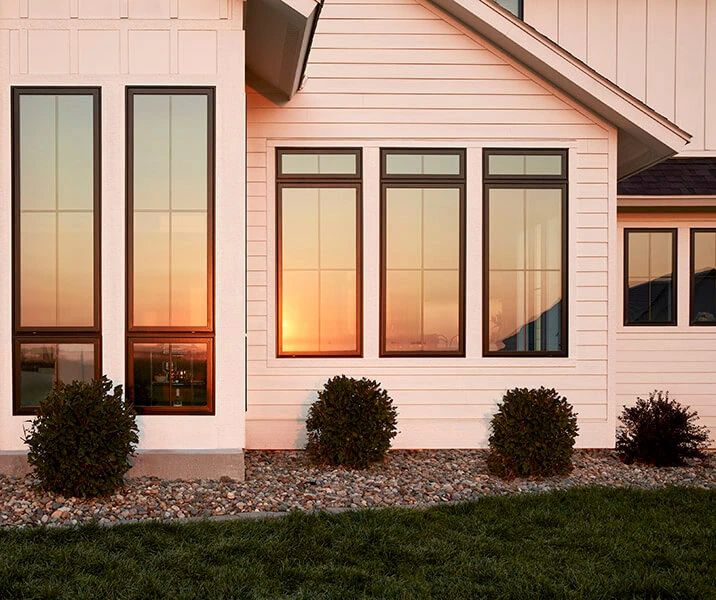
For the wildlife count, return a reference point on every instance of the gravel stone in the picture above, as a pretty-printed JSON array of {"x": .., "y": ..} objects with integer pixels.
[{"x": 281, "y": 481}]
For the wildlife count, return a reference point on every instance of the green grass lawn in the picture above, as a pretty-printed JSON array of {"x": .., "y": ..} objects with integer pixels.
[{"x": 589, "y": 543}]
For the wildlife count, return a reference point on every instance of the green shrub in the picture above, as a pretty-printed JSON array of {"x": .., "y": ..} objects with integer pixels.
[
  {"x": 532, "y": 434},
  {"x": 82, "y": 438},
  {"x": 351, "y": 424},
  {"x": 660, "y": 431}
]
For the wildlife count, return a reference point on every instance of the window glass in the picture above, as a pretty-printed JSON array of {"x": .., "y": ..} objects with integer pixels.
[
  {"x": 400, "y": 163},
  {"x": 338, "y": 163},
  {"x": 170, "y": 210},
  {"x": 514, "y": 6},
  {"x": 170, "y": 276},
  {"x": 171, "y": 374},
  {"x": 525, "y": 165},
  {"x": 44, "y": 364},
  {"x": 703, "y": 282},
  {"x": 56, "y": 263},
  {"x": 56, "y": 204},
  {"x": 650, "y": 292},
  {"x": 525, "y": 255},
  {"x": 422, "y": 252},
  {"x": 422, "y": 269},
  {"x": 319, "y": 270}
]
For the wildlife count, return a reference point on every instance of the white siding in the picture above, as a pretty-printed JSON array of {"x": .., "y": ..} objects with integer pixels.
[
  {"x": 398, "y": 73},
  {"x": 678, "y": 359},
  {"x": 661, "y": 51},
  {"x": 112, "y": 44}
]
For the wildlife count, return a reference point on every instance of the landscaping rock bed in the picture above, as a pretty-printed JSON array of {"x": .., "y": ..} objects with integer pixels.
[{"x": 283, "y": 481}]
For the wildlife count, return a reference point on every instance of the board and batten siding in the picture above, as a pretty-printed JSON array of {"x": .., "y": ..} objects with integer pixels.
[
  {"x": 677, "y": 359},
  {"x": 400, "y": 73},
  {"x": 661, "y": 51},
  {"x": 112, "y": 44}
]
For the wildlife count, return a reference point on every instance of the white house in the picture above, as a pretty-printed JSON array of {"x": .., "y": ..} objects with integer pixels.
[{"x": 221, "y": 204}]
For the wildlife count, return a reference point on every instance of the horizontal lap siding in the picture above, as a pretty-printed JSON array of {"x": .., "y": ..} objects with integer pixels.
[
  {"x": 681, "y": 359},
  {"x": 396, "y": 72}
]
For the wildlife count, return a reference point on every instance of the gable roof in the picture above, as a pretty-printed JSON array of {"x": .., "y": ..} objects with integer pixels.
[
  {"x": 673, "y": 177},
  {"x": 645, "y": 137}
]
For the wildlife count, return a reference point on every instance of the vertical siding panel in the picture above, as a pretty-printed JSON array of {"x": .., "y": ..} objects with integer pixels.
[
  {"x": 543, "y": 16},
  {"x": 631, "y": 47},
  {"x": 690, "y": 65},
  {"x": 661, "y": 56},
  {"x": 710, "y": 75},
  {"x": 602, "y": 37},
  {"x": 573, "y": 27}
]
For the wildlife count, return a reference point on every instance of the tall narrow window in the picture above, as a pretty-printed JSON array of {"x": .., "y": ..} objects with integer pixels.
[
  {"x": 422, "y": 252},
  {"x": 170, "y": 249},
  {"x": 703, "y": 276},
  {"x": 525, "y": 253},
  {"x": 650, "y": 276},
  {"x": 319, "y": 252},
  {"x": 56, "y": 232}
]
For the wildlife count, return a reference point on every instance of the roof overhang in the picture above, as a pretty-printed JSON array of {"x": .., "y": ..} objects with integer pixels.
[
  {"x": 644, "y": 136},
  {"x": 278, "y": 40}
]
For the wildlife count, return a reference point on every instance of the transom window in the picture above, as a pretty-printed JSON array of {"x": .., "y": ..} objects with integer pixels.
[
  {"x": 650, "y": 276},
  {"x": 703, "y": 276},
  {"x": 56, "y": 220},
  {"x": 422, "y": 252},
  {"x": 319, "y": 252},
  {"x": 525, "y": 253},
  {"x": 170, "y": 248}
]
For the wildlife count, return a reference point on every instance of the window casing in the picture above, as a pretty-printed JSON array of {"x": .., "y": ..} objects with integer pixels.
[
  {"x": 703, "y": 277},
  {"x": 650, "y": 277},
  {"x": 319, "y": 252},
  {"x": 170, "y": 249},
  {"x": 422, "y": 253},
  {"x": 525, "y": 305},
  {"x": 56, "y": 240}
]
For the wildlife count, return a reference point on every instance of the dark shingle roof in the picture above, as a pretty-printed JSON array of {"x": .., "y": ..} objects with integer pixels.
[{"x": 673, "y": 177}]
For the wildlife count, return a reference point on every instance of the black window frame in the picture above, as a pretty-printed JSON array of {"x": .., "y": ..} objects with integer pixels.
[
  {"x": 171, "y": 334},
  {"x": 674, "y": 274},
  {"x": 692, "y": 275},
  {"x": 54, "y": 335},
  {"x": 424, "y": 182},
  {"x": 313, "y": 180},
  {"x": 525, "y": 182}
]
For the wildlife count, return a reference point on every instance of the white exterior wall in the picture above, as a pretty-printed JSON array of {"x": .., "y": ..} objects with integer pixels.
[
  {"x": 661, "y": 51},
  {"x": 113, "y": 44},
  {"x": 677, "y": 359},
  {"x": 399, "y": 73}
]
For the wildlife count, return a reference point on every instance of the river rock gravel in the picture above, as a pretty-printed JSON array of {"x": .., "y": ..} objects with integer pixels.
[{"x": 282, "y": 481}]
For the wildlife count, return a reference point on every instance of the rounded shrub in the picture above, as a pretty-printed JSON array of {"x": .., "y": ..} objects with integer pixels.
[
  {"x": 82, "y": 438},
  {"x": 659, "y": 431},
  {"x": 532, "y": 434},
  {"x": 351, "y": 424}
]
